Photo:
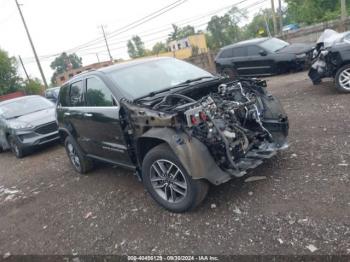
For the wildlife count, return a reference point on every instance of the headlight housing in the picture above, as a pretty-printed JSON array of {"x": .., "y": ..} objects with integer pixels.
[{"x": 21, "y": 125}]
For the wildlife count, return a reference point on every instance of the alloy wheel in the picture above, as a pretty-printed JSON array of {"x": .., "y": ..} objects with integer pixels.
[
  {"x": 168, "y": 181},
  {"x": 73, "y": 156},
  {"x": 344, "y": 79}
]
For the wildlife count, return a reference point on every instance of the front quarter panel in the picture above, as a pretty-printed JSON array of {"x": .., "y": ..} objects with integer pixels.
[{"x": 192, "y": 153}]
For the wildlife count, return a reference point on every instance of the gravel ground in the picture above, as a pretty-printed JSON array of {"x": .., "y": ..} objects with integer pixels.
[{"x": 302, "y": 207}]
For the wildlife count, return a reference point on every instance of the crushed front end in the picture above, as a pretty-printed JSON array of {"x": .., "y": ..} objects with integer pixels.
[{"x": 239, "y": 122}]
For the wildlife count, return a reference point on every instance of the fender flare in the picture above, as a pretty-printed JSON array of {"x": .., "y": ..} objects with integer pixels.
[{"x": 192, "y": 153}]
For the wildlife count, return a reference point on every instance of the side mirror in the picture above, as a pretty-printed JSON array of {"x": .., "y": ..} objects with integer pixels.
[{"x": 262, "y": 53}]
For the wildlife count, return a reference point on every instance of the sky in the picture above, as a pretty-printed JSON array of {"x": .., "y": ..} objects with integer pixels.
[{"x": 58, "y": 26}]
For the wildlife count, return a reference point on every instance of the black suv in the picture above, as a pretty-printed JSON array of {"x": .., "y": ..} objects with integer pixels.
[
  {"x": 262, "y": 56},
  {"x": 177, "y": 126}
]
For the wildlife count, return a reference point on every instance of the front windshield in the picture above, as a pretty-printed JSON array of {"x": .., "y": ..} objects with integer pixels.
[
  {"x": 273, "y": 44},
  {"x": 24, "y": 106},
  {"x": 141, "y": 79}
]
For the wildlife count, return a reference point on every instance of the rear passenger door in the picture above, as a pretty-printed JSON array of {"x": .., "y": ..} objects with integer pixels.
[
  {"x": 240, "y": 61},
  {"x": 70, "y": 109},
  {"x": 102, "y": 129},
  {"x": 259, "y": 61}
]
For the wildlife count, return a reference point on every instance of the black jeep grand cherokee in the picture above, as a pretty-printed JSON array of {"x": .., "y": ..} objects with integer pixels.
[{"x": 177, "y": 126}]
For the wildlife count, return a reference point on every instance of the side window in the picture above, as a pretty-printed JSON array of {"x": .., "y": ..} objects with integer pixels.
[
  {"x": 227, "y": 53},
  {"x": 253, "y": 50},
  {"x": 97, "y": 93},
  {"x": 239, "y": 51},
  {"x": 63, "y": 96},
  {"x": 76, "y": 94}
]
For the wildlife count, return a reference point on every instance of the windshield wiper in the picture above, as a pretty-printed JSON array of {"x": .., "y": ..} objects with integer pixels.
[
  {"x": 183, "y": 84},
  {"x": 194, "y": 80}
]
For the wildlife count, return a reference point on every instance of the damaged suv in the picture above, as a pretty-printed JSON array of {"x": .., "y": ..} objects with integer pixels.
[{"x": 177, "y": 126}]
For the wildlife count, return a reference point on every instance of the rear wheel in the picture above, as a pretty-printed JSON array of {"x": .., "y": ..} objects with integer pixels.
[
  {"x": 168, "y": 182},
  {"x": 342, "y": 79},
  {"x": 16, "y": 148},
  {"x": 80, "y": 162}
]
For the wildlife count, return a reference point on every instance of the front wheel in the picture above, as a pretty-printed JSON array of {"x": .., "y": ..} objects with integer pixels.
[
  {"x": 16, "y": 148},
  {"x": 168, "y": 182},
  {"x": 342, "y": 79}
]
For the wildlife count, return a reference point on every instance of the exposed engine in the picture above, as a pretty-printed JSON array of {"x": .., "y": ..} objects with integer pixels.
[{"x": 230, "y": 122}]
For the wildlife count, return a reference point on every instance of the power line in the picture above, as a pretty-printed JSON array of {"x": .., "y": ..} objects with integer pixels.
[
  {"x": 82, "y": 50},
  {"x": 168, "y": 28},
  {"x": 254, "y": 5},
  {"x": 140, "y": 21}
]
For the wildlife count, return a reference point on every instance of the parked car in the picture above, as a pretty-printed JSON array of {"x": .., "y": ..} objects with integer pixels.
[
  {"x": 52, "y": 94},
  {"x": 25, "y": 123},
  {"x": 262, "y": 56},
  {"x": 332, "y": 59},
  {"x": 290, "y": 28},
  {"x": 177, "y": 126}
]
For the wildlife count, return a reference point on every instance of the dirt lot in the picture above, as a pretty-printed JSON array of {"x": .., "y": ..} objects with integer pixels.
[{"x": 303, "y": 205}]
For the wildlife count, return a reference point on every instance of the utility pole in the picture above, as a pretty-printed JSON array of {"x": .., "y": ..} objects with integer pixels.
[
  {"x": 24, "y": 69},
  {"x": 274, "y": 17},
  {"x": 280, "y": 16},
  {"x": 267, "y": 27},
  {"x": 104, "y": 35},
  {"x": 343, "y": 13},
  {"x": 98, "y": 59},
  {"x": 31, "y": 43}
]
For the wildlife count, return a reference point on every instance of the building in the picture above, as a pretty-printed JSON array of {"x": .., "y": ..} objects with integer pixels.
[
  {"x": 62, "y": 78},
  {"x": 187, "y": 47}
]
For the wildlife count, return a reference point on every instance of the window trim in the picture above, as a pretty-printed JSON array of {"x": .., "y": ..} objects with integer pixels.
[
  {"x": 117, "y": 105},
  {"x": 82, "y": 93}
]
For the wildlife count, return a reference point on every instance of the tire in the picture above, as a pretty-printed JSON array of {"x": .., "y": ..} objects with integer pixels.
[
  {"x": 164, "y": 188},
  {"x": 231, "y": 73},
  {"x": 79, "y": 161},
  {"x": 16, "y": 148},
  {"x": 342, "y": 79}
]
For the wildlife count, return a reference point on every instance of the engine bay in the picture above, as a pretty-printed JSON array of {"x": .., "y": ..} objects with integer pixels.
[{"x": 238, "y": 121}]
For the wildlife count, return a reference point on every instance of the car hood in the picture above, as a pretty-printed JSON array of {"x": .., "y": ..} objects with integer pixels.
[
  {"x": 36, "y": 118},
  {"x": 299, "y": 48}
]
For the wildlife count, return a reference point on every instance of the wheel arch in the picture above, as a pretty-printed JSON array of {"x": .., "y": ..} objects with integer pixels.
[{"x": 193, "y": 154}]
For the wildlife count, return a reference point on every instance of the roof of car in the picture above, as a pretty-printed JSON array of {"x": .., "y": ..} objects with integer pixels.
[
  {"x": 119, "y": 66},
  {"x": 131, "y": 63},
  {"x": 247, "y": 42},
  {"x": 17, "y": 99}
]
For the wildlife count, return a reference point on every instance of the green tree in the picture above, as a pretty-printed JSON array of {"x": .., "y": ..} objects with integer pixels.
[
  {"x": 33, "y": 87},
  {"x": 9, "y": 80},
  {"x": 181, "y": 32},
  {"x": 313, "y": 11},
  {"x": 224, "y": 30},
  {"x": 158, "y": 48},
  {"x": 257, "y": 27},
  {"x": 136, "y": 47},
  {"x": 65, "y": 62}
]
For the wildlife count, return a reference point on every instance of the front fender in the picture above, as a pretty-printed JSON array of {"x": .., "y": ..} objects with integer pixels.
[{"x": 192, "y": 153}]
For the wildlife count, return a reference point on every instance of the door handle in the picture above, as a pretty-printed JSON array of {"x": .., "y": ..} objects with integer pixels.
[
  {"x": 88, "y": 115},
  {"x": 66, "y": 114}
]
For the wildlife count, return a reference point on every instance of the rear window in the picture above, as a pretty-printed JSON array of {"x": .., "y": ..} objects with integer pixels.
[
  {"x": 64, "y": 96},
  {"x": 76, "y": 94}
]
